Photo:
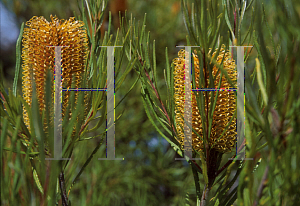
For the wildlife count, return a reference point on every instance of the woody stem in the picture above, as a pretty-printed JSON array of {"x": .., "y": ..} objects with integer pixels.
[
  {"x": 64, "y": 196},
  {"x": 212, "y": 167},
  {"x": 204, "y": 195}
]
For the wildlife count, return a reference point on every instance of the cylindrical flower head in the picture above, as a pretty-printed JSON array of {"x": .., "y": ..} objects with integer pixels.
[
  {"x": 38, "y": 56},
  {"x": 224, "y": 110}
]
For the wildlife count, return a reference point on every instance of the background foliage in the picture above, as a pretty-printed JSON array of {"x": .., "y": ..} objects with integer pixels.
[{"x": 149, "y": 175}]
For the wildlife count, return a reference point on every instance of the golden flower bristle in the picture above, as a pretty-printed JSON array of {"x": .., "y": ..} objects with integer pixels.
[
  {"x": 38, "y": 56},
  {"x": 224, "y": 110}
]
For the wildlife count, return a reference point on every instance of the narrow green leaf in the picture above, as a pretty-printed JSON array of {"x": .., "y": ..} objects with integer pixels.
[
  {"x": 86, "y": 163},
  {"x": 89, "y": 13},
  {"x": 187, "y": 21},
  {"x": 197, "y": 182},
  {"x": 37, "y": 181},
  {"x": 3, "y": 134},
  {"x": 242, "y": 16},
  {"x": 229, "y": 185},
  {"x": 232, "y": 200},
  {"x": 154, "y": 64},
  {"x": 128, "y": 69},
  {"x": 217, "y": 202},
  {"x": 175, "y": 147},
  {"x": 260, "y": 56},
  {"x": 128, "y": 91},
  {"x": 109, "y": 23},
  {"x": 246, "y": 196},
  {"x": 260, "y": 82},
  {"x": 268, "y": 27},
  {"x": 158, "y": 119},
  {"x": 249, "y": 5},
  {"x": 18, "y": 60},
  {"x": 228, "y": 24}
]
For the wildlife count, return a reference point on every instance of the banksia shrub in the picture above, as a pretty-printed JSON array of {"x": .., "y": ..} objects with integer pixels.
[
  {"x": 225, "y": 105},
  {"x": 38, "y": 57}
]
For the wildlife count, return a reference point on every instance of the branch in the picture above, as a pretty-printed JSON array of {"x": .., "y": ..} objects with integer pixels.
[
  {"x": 230, "y": 161},
  {"x": 83, "y": 126},
  {"x": 156, "y": 93},
  {"x": 204, "y": 195},
  {"x": 63, "y": 189},
  {"x": 165, "y": 112}
]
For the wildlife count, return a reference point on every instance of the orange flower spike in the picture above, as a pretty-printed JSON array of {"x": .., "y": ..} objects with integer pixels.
[
  {"x": 38, "y": 56},
  {"x": 224, "y": 110}
]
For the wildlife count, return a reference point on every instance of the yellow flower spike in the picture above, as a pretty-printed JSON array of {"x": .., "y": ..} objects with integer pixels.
[
  {"x": 38, "y": 57},
  {"x": 224, "y": 110}
]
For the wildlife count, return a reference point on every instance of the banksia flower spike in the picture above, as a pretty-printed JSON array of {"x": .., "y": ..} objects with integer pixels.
[
  {"x": 224, "y": 110},
  {"x": 38, "y": 56}
]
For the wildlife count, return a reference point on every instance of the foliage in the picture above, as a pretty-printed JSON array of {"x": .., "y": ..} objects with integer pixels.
[{"x": 152, "y": 177}]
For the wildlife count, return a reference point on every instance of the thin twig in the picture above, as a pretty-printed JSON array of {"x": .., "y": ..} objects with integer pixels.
[
  {"x": 285, "y": 101},
  {"x": 3, "y": 100},
  {"x": 261, "y": 186},
  {"x": 187, "y": 154},
  {"x": 156, "y": 93},
  {"x": 83, "y": 126},
  {"x": 165, "y": 112},
  {"x": 204, "y": 195},
  {"x": 47, "y": 180},
  {"x": 99, "y": 143},
  {"x": 64, "y": 196},
  {"x": 230, "y": 161}
]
